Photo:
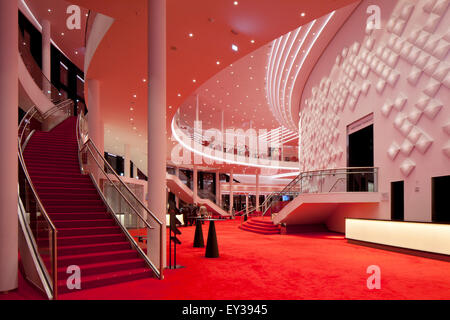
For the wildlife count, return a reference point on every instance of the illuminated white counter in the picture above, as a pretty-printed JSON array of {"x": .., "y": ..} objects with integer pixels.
[{"x": 421, "y": 236}]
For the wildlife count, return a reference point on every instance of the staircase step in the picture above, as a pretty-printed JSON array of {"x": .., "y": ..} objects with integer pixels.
[
  {"x": 246, "y": 228},
  {"x": 96, "y": 257},
  {"x": 104, "y": 267},
  {"x": 91, "y": 248},
  {"x": 255, "y": 227},
  {"x": 78, "y": 216},
  {"x": 91, "y": 239},
  {"x": 85, "y": 231},
  {"x": 70, "y": 196},
  {"x": 83, "y": 223},
  {"x": 105, "y": 279},
  {"x": 74, "y": 203}
]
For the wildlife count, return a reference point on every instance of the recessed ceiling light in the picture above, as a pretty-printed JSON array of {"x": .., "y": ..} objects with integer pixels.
[
  {"x": 303, "y": 14},
  {"x": 134, "y": 96},
  {"x": 76, "y": 52},
  {"x": 235, "y": 3},
  {"x": 191, "y": 35},
  {"x": 49, "y": 10},
  {"x": 218, "y": 62},
  {"x": 179, "y": 94},
  {"x": 234, "y": 47},
  {"x": 194, "y": 81},
  {"x": 144, "y": 80},
  {"x": 131, "y": 108},
  {"x": 62, "y": 33},
  {"x": 252, "y": 41}
]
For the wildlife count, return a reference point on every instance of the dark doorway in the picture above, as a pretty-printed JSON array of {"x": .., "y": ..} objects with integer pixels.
[
  {"x": 360, "y": 154},
  {"x": 440, "y": 204},
  {"x": 397, "y": 201}
]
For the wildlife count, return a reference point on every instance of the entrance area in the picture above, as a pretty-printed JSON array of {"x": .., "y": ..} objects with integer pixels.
[
  {"x": 360, "y": 154},
  {"x": 440, "y": 203},
  {"x": 397, "y": 201}
]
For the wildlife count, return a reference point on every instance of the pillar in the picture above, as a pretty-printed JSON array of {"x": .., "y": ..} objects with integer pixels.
[
  {"x": 195, "y": 185},
  {"x": 246, "y": 204},
  {"x": 8, "y": 145},
  {"x": 134, "y": 170},
  {"x": 257, "y": 191},
  {"x": 218, "y": 196},
  {"x": 46, "y": 55},
  {"x": 177, "y": 199},
  {"x": 126, "y": 162},
  {"x": 231, "y": 192},
  {"x": 95, "y": 122},
  {"x": 156, "y": 163}
]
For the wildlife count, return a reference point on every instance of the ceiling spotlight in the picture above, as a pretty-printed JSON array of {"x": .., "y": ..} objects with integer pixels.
[
  {"x": 235, "y": 3},
  {"x": 191, "y": 35},
  {"x": 134, "y": 96},
  {"x": 179, "y": 94},
  {"x": 49, "y": 10},
  {"x": 76, "y": 52},
  {"x": 234, "y": 47},
  {"x": 62, "y": 33},
  {"x": 144, "y": 80},
  {"x": 252, "y": 41},
  {"x": 194, "y": 81},
  {"x": 303, "y": 14},
  {"x": 131, "y": 108},
  {"x": 217, "y": 62}
]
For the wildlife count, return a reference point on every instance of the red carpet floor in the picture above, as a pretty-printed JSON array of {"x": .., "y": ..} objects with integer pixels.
[{"x": 254, "y": 266}]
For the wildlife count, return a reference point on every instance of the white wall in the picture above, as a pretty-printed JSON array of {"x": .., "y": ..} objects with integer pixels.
[{"x": 362, "y": 72}]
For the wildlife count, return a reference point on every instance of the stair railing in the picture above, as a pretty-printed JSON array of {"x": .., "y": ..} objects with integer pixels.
[
  {"x": 130, "y": 213},
  {"x": 37, "y": 231},
  {"x": 36, "y": 72},
  {"x": 354, "y": 179}
]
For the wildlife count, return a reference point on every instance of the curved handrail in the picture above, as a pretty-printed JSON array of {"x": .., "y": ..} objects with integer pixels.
[
  {"x": 34, "y": 113},
  {"x": 36, "y": 72},
  {"x": 86, "y": 144}
]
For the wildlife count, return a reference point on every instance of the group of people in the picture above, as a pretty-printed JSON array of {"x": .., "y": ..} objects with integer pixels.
[{"x": 193, "y": 211}]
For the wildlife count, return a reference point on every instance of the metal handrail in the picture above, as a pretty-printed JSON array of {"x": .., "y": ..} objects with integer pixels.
[
  {"x": 24, "y": 123},
  {"x": 316, "y": 173},
  {"x": 112, "y": 183},
  {"x": 33, "y": 68},
  {"x": 90, "y": 146}
]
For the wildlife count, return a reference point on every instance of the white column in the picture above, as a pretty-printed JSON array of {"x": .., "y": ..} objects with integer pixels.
[
  {"x": 177, "y": 200},
  {"x": 46, "y": 55},
  {"x": 231, "y": 192},
  {"x": 246, "y": 203},
  {"x": 8, "y": 145},
  {"x": 134, "y": 170},
  {"x": 156, "y": 163},
  {"x": 126, "y": 162},
  {"x": 218, "y": 196},
  {"x": 195, "y": 185},
  {"x": 257, "y": 191},
  {"x": 95, "y": 121}
]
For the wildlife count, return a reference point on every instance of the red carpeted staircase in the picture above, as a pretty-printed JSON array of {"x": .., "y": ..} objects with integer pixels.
[
  {"x": 87, "y": 234},
  {"x": 260, "y": 225}
]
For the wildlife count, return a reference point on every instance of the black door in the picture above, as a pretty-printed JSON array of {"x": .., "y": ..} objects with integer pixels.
[
  {"x": 440, "y": 202},
  {"x": 397, "y": 201},
  {"x": 360, "y": 154}
]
